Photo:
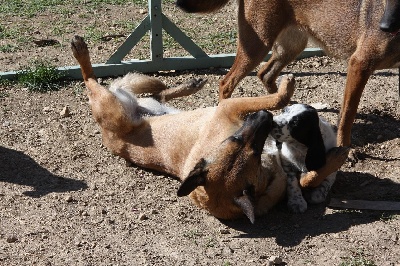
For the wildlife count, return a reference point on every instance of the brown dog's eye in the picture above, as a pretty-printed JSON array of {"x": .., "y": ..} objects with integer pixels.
[
  {"x": 236, "y": 138},
  {"x": 249, "y": 191}
]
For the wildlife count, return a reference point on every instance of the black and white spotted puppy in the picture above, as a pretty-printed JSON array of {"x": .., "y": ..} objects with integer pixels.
[{"x": 303, "y": 138}]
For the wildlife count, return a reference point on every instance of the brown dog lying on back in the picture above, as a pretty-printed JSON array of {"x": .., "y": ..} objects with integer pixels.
[
  {"x": 215, "y": 151},
  {"x": 344, "y": 29}
]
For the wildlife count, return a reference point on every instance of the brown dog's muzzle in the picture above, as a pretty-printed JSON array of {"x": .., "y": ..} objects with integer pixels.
[{"x": 255, "y": 129}]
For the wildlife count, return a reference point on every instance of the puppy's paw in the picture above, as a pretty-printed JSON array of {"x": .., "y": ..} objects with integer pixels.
[
  {"x": 298, "y": 205},
  {"x": 79, "y": 47},
  {"x": 317, "y": 195}
]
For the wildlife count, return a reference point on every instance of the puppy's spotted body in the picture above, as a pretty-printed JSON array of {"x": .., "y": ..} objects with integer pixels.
[{"x": 304, "y": 139}]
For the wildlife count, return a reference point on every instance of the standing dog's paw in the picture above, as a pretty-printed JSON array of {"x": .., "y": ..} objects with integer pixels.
[
  {"x": 298, "y": 205},
  {"x": 79, "y": 47}
]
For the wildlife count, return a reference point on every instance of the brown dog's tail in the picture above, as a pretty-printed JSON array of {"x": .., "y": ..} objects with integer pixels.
[{"x": 196, "y": 6}]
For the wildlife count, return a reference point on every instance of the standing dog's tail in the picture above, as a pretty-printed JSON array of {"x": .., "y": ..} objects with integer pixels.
[{"x": 197, "y": 6}]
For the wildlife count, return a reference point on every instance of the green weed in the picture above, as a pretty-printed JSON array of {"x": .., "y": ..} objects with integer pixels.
[
  {"x": 8, "y": 48},
  {"x": 357, "y": 260},
  {"x": 40, "y": 77}
]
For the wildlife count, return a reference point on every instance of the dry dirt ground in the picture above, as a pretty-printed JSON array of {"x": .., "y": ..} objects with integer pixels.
[{"x": 65, "y": 200}]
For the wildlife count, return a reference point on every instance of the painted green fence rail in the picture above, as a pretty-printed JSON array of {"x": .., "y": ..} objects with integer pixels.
[{"x": 154, "y": 23}]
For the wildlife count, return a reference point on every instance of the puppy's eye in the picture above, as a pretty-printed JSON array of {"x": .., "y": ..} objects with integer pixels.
[{"x": 285, "y": 109}]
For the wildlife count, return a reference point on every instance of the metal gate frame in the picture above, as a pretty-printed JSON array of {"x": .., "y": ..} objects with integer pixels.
[{"x": 155, "y": 22}]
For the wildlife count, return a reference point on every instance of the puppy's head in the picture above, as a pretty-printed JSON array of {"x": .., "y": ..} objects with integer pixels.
[
  {"x": 229, "y": 184},
  {"x": 299, "y": 123}
]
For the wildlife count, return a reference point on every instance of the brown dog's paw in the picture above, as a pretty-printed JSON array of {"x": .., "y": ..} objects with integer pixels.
[
  {"x": 335, "y": 158},
  {"x": 286, "y": 89},
  {"x": 79, "y": 47},
  {"x": 196, "y": 83}
]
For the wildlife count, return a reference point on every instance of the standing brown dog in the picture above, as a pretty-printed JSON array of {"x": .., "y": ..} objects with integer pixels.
[
  {"x": 345, "y": 29},
  {"x": 217, "y": 151}
]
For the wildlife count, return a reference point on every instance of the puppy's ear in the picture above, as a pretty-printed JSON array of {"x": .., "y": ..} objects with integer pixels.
[
  {"x": 195, "y": 178},
  {"x": 316, "y": 156},
  {"x": 244, "y": 203}
]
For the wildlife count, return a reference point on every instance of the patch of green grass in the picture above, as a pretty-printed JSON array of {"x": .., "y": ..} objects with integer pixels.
[
  {"x": 211, "y": 242},
  {"x": 32, "y": 7},
  {"x": 357, "y": 260},
  {"x": 6, "y": 32},
  {"x": 93, "y": 33},
  {"x": 385, "y": 217},
  {"x": 41, "y": 76},
  {"x": 4, "y": 83},
  {"x": 27, "y": 8},
  {"x": 8, "y": 48}
]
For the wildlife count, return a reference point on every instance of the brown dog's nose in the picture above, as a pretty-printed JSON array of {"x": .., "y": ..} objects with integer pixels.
[
  {"x": 390, "y": 21},
  {"x": 255, "y": 129}
]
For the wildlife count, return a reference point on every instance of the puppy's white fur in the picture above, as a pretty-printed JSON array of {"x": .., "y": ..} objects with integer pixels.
[
  {"x": 293, "y": 154},
  {"x": 126, "y": 88}
]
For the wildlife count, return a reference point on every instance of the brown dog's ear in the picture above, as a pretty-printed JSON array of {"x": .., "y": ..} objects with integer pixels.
[
  {"x": 244, "y": 203},
  {"x": 195, "y": 178}
]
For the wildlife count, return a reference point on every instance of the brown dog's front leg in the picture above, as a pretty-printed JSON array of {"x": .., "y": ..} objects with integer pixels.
[
  {"x": 335, "y": 158},
  {"x": 358, "y": 73},
  {"x": 254, "y": 44},
  {"x": 240, "y": 107}
]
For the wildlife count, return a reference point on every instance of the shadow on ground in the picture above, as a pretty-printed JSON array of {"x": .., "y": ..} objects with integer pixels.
[
  {"x": 291, "y": 229},
  {"x": 18, "y": 168}
]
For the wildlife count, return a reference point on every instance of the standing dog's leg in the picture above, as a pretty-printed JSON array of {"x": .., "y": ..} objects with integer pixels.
[
  {"x": 358, "y": 72},
  {"x": 254, "y": 41},
  {"x": 290, "y": 43}
]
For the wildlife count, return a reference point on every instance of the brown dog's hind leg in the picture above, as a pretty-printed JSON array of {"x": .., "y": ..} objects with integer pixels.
[
  {"x": 187, "y": 88},
  {"x": 81, "y": 53},
  {"x": 290, "y": 43},
  {"x": 256, "y": 36},
  {"x": 106, "y": 108}
]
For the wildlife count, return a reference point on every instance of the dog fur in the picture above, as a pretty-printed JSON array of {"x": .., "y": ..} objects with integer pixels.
[
  {"x": 304, "y": 139},
  {"x": 344, "y": 29},
  {"x": 216, "y": 152}
]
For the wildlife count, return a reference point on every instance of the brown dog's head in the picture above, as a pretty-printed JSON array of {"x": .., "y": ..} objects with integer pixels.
[{"x": 229, "y": 184}]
